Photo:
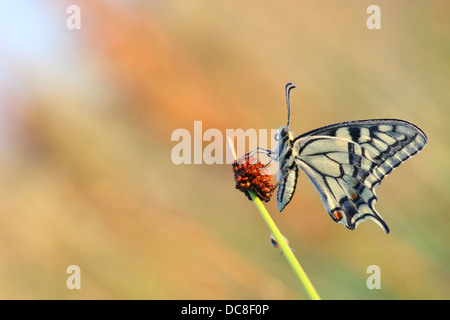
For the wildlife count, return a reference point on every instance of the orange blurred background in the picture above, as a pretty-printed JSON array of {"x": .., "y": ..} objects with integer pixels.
[{"x": 86, "y": 175}]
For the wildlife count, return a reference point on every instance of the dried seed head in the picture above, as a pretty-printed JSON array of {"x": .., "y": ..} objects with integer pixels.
[{"x": 250, "y": 174}]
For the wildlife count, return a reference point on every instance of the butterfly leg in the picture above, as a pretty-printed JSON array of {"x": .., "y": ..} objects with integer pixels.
[
  {"x": 257, "y": 150},
  {"x": 276, "y": 186},
  {"x": 263, "y": 151},
  {"x": 265, "y": 166}
]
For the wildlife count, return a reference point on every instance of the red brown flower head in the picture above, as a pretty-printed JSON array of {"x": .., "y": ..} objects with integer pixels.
[{"x": 250, "y": 174}]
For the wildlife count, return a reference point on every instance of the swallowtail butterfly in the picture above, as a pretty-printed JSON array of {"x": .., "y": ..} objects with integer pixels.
[{"x": 346, "y": 162}]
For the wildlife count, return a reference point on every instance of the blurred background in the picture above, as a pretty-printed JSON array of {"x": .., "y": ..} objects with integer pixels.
[{"x": 86, "y": 175}]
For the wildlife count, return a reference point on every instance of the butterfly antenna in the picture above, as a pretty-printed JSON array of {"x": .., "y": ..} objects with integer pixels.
[{"x": 289, "y": 87}]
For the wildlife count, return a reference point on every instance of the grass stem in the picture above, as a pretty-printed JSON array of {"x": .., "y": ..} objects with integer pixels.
[{"x": 287, "y": 252}]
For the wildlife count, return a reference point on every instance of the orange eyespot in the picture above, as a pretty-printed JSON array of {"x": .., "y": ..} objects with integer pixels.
[{"x": 338, "y": 215}]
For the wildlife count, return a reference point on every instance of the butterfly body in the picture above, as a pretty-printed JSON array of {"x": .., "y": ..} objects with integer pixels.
[{"x": 346, "y": 162}]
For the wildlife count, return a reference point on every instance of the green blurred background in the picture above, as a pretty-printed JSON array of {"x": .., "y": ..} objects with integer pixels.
[{"x": 86, "y": 118}]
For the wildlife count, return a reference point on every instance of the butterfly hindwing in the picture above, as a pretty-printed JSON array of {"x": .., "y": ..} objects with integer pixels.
[{"x": 345, "y": 176}]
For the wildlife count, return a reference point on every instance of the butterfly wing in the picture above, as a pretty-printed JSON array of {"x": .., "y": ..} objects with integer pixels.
[
  {"x": 388, "y": 141},
  {"x": 346, "y": 162},
  {"x": 345, "y": 177}
]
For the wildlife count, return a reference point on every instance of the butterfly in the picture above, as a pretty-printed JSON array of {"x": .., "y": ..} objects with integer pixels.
[{"x": 345, "y": 161}]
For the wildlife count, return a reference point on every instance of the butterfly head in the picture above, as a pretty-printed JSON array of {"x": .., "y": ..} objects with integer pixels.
[{"x": 284, "y": 133}]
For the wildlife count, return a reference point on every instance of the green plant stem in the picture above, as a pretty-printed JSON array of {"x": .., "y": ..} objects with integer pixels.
[
  {"x": 287, "y": 252},
  {"x": 290, "y": 257}
]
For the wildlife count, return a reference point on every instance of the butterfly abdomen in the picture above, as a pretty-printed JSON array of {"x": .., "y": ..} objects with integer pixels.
[{"x": 345, "y": 161}]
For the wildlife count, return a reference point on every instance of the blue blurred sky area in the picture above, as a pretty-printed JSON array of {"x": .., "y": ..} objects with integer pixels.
[{"x": 39, "y": 57}]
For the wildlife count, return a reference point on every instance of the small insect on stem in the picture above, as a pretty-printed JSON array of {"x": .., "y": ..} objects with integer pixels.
[
  {"x": 275, "y": 244},
  {"x": 250, "y": 174}
]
